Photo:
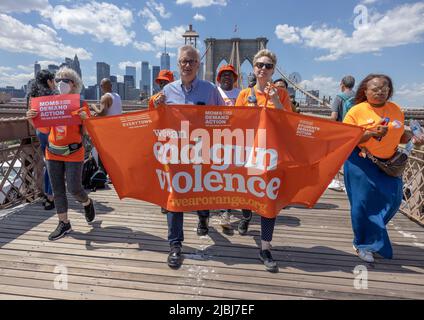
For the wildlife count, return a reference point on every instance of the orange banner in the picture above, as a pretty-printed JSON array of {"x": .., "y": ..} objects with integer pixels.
[{"x": 187, "y": 158}]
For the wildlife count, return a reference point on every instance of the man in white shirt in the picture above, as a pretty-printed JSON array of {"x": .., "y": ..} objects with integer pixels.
[
  {"x": 110, "y": 105},
  {"x": 110, "y": 102},
  {"x": 227, "y": 77}
]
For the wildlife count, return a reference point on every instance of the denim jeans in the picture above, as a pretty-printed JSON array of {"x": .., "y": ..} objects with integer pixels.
[{"x": 176, "y": 226}]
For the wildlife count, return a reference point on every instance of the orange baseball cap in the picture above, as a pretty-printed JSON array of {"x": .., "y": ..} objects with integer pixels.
[
  {"x": 227, "y": 67},
  {"x": 165, "y": 75}
]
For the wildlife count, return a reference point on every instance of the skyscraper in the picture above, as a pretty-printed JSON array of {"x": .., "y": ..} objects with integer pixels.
[
  {"x": 129, "y": 84},
  {"x": 37, "y": 68},
  {"x": 103, "y": 71},
  {"x": 155, "y": 72},
  {"x": 114, "y": 81},
  {"x": 52, "y": 68},
  {"x": 73, "y": 64},
  {"x": 145, "y": 78},
  {"x": 165, "y": 60},
  {"x": 131, "y": 71}
]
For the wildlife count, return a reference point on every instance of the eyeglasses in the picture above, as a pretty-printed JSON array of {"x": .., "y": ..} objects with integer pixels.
[
  {"x": 57, "y": 80},
  {"x": 190, "y": 62},
  {"x": 382, "y": 89},
  {"x": 261, "y": 65}
]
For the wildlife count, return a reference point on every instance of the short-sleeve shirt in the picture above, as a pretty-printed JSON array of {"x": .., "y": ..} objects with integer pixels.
[
  {"x": 242, "y": 99},
  {"x": 200, "y": 93},
  {"x": 364, "y": 114},
  {"x": 338, "y": 102},
  {"x": 229, "y": 97}
]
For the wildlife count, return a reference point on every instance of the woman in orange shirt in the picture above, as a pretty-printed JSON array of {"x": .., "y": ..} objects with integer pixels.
[
  {"x": 374, "y": 196},
  {"x": 65, "y": 158},
  {"x": 263, "y": 94}
]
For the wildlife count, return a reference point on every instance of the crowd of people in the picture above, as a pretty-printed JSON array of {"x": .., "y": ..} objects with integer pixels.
[{"x": 373, "y": 195}]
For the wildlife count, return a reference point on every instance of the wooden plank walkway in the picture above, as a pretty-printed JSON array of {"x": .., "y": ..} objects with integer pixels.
[{"x": 123, "y": 256}]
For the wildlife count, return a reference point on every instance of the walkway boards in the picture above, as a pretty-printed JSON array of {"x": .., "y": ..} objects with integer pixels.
[{"x": 123, "y": 256}]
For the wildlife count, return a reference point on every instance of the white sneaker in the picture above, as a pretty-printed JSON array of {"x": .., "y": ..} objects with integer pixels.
[
  {"x": 226, "y": 220},
  {"x": 365, "y": 255}
]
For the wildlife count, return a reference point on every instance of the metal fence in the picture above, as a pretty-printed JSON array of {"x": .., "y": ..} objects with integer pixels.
[
  {"x": 413, "y": 188},
  {"x": 21, "y": 164}
]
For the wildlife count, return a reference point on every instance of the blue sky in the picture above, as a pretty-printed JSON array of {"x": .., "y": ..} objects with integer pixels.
[{"x": 322, "y": 40}]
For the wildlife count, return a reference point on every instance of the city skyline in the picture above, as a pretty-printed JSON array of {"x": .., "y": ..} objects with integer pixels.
[{"x": 322, "y": 41}]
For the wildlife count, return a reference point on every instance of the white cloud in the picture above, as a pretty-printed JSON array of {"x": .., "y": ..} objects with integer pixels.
[
  {"x": 5, "y": 69},
  {"x": 202, "y": 3},
  {"x": 152, "y": 24},
  {"x": 369, "y": 1},
  {"x": 327, "y": 86},
  {"x": 23, "y": 5},
  {"x": 287, "y": 33},
  {"x": 199, "y": 17},
  {"x": 41, "y": 41},
  {"x": 10, "y": 78},
  {"x": 173, "y": 37},
  {"x": 28, "y": 68},
  {"x": 124, "y": 64},
  {"x": 143, "y": 46},
  {"x": 159, "y": 7},
  {"x": 410, "y": 95},
  {"x": 171, "y": 54},
  {"x": 104, "y": 21},
  {"x": 403, "y": 24}
]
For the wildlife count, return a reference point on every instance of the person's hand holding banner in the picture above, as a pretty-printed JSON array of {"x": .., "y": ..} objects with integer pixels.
[{"x": 51, "y": 111}]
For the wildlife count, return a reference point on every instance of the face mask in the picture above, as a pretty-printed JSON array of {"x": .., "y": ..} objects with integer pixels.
[{"x": 64, "y": 88}]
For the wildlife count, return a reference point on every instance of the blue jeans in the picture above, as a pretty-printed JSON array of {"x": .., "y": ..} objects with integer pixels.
[
  {"x": 176, "y": 226},
  {"x": 44, "y": 140},
  {"x": 267, "y": 225}
]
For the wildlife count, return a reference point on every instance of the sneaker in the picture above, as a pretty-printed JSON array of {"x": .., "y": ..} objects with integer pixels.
[
  {"x": 48, "y": 205},
  {"x": 225, "y": 222},
  {"x": 90, "y": 212},
  {"x": 61, "y": 230},
  {"x": 365, "y": 255},
  {"x": 268, "y": 261},
  {"x": 174, "y": 257},
  {"x": 203, "y": 226},
  {"x": 243, "y": 227}
]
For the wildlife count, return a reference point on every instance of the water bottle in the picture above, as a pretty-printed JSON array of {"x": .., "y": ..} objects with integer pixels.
[
  {"x": 385, "y": 122},
  {"x": 417, "y": 131}
]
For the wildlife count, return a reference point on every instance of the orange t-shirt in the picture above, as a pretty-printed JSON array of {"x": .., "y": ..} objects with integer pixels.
[
  {"x": 65, "y": 135},
  {"x": 242, "y": 99},
  {"x": 365, "y": 115},
  {"x": 151, "y": 101}
]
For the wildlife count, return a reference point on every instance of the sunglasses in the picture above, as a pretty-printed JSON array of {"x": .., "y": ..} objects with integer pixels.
[
  {"x": 63, "y": 80},
  {"x": 268, "y": 66}
]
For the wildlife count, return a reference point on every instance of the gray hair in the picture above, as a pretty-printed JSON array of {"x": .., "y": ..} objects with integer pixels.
[
  {"x": 348, "y": 82},
  {"x": 265, "y": 53},
  {"x": 68, "y": 73},
  {"x": 188, "y": 48}
]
